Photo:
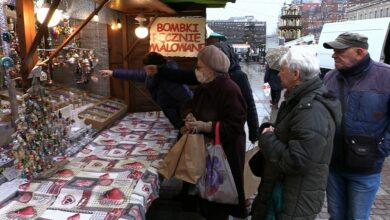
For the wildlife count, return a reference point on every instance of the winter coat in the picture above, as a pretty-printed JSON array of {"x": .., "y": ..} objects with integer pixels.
[
  {"x": 366, "y": 106},
  {"x": 236, "y": 74},
  {"x": 271, "y": 76},
  {"x": 168, "y": 95},
  {"x": 221, "y": 100},
  {"x": 299, "y": 150}
]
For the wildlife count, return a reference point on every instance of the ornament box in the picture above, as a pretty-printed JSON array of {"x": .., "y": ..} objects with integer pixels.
[
  {"x": 5, "y": 95},
  {"x": 103, "y": 113}
]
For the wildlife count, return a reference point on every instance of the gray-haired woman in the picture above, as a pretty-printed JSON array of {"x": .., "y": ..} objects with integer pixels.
[{"x": 298, "y": 147}]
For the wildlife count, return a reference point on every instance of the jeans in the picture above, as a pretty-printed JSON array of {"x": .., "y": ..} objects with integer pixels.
[{"x": 350, "y": 196}]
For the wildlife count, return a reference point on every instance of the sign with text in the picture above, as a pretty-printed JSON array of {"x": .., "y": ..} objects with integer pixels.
[{"x": 177, "y": 37}]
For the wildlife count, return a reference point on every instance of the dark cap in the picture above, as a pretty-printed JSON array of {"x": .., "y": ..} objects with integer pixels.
[{"x": 347, "y": 40}]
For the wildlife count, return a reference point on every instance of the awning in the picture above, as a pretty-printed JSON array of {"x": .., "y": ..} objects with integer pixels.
[
  {"x": 136, "y": 6},
  {"x": 211, "y": 33},
  {"x": 208, "y": 3}
]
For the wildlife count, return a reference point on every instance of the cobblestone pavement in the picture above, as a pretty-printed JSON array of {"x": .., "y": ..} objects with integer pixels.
[{"x": 381, "y": 207}]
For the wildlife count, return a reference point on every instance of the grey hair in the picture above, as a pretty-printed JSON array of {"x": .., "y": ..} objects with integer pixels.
[{"x": 305, "y": 62}]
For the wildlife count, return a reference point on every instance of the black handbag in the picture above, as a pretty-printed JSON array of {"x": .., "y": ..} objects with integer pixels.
[
  {"x": 257, "y": 164},
  {"x": 361, "y": 153}
]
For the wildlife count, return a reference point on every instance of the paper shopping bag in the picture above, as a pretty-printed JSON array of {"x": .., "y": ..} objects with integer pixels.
[
  {"x": 251, "y": 182},
  {"x": 192, "y": 163},
  {"x": 171, "y": 160}
]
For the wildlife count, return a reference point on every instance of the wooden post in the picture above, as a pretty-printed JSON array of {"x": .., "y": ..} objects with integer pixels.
[
  {"x": 9, "y": 80},
  {"x": 26, "y": 31},
  {"x": 37, "y": 39},
  {"x": 125, "y": 44}
]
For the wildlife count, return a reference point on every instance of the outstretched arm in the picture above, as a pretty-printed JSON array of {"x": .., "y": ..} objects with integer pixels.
[
  {"x": 137, "y": 75},
  {"x": 174, "y": 75}
]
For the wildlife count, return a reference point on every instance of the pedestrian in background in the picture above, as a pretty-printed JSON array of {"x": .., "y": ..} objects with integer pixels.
[
  {"x": 169, "y": 96},
  {"x": 362, "y": 142},
  {"x": 271, "y": 76},
  {"x": 298, "y": 147}
]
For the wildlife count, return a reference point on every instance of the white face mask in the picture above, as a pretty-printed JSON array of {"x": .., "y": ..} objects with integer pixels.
[{"x": 200, "y": 77}]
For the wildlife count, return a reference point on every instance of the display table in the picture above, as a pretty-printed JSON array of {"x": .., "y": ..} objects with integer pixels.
[{"x": 113, "y": 177}]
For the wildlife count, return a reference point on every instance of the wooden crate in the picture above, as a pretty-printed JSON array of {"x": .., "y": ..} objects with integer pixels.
[{"x": 103, "y": 113}]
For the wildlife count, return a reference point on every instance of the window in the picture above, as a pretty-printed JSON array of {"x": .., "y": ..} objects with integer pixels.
[
  {"x": 375, "y": 14},
  {"x": 381, "y": 13}
]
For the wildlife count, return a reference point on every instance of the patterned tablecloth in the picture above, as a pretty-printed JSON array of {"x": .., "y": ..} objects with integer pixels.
[{"x": 114, "y": 177}]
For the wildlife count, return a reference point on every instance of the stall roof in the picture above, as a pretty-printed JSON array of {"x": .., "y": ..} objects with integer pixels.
[
  {"x": 208, "y": 3},
  {"x": 135, "y": 6}
]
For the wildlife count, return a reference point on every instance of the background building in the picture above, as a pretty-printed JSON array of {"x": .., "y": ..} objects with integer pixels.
[
  {"x": 241, "y": 30},
  {"x": 315, "y": 13},
  {"x": 371, "y": 9},
  {"x": 290, "y": 26}
]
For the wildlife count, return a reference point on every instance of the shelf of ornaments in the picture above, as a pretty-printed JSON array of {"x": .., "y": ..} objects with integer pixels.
[{"x": 71, "y": 107}]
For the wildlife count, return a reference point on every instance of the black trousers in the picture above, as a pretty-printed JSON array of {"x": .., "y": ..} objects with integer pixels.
[{"x": 275, "y": 96}]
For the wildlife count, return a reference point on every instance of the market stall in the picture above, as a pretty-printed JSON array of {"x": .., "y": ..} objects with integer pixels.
[
  {"x": 69, "y": 149},
  {"x": 113, "y": 177}
]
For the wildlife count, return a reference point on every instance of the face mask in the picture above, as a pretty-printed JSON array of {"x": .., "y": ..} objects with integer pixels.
[{"x": 200, "y": 77}]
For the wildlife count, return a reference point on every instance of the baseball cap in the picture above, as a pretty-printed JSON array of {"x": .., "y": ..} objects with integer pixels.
[{"x": 347, "y": 40}]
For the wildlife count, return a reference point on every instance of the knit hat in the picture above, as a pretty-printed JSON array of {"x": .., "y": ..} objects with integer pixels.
[{"x": 214, "y": 59}]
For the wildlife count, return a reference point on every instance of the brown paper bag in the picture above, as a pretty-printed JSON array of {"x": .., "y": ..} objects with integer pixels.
[
  {"x": 192, "y": 163},
  {"x": 251, "y": 182},
  {"x": 171, "y": 160}
]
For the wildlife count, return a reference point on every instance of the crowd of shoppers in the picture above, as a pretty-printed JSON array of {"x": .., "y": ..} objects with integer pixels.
[{"x": 330, "y": 136}]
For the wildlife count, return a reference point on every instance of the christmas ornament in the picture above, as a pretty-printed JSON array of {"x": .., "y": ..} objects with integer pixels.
[
  {"x": 7, "y": 62},
  {"x": 6, "y": 37}
]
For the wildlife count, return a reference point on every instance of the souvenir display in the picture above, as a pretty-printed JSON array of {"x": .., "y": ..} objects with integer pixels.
[
  {"x": 114, "y": 176},
  {"x": 40, "y": 134}
]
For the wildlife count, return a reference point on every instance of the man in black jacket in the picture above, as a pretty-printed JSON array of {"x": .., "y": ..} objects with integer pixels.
[{"x": 236, "y": 74}]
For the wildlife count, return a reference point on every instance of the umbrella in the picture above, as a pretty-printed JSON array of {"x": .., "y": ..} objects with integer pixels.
[{"x": 273, "y": 56}]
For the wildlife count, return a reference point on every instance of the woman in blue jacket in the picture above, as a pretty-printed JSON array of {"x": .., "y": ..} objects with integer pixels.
[{"x": 168, "y": 95}]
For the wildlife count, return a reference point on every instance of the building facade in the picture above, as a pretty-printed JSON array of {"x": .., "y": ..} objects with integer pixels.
[
  {"x": 290, "y": 25},
  {"x": 371, "y": 9},
  {"x": 241, "y": 30},
  {"x": 315, "y": 13}
]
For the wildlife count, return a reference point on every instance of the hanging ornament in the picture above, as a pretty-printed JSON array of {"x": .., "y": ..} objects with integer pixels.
[
  {"x": 6, "y": 37},
  {"x": 55, "y": 32},
  {"x": 7, "y": 62}
]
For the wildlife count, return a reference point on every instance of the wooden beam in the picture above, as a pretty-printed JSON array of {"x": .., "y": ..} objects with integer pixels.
[
  {"x": 85, "y": 22},
  {"x": 42, "y": 30},
  {"x": 25, "y": 29}
]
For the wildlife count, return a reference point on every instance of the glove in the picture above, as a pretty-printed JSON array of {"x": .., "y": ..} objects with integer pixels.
[{"x": 199, "y": 126}]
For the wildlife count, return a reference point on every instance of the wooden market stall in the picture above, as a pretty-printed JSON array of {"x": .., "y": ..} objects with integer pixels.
[
  {"x": 127, "y": 51},
  {"x": 57, "y": 163}
]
